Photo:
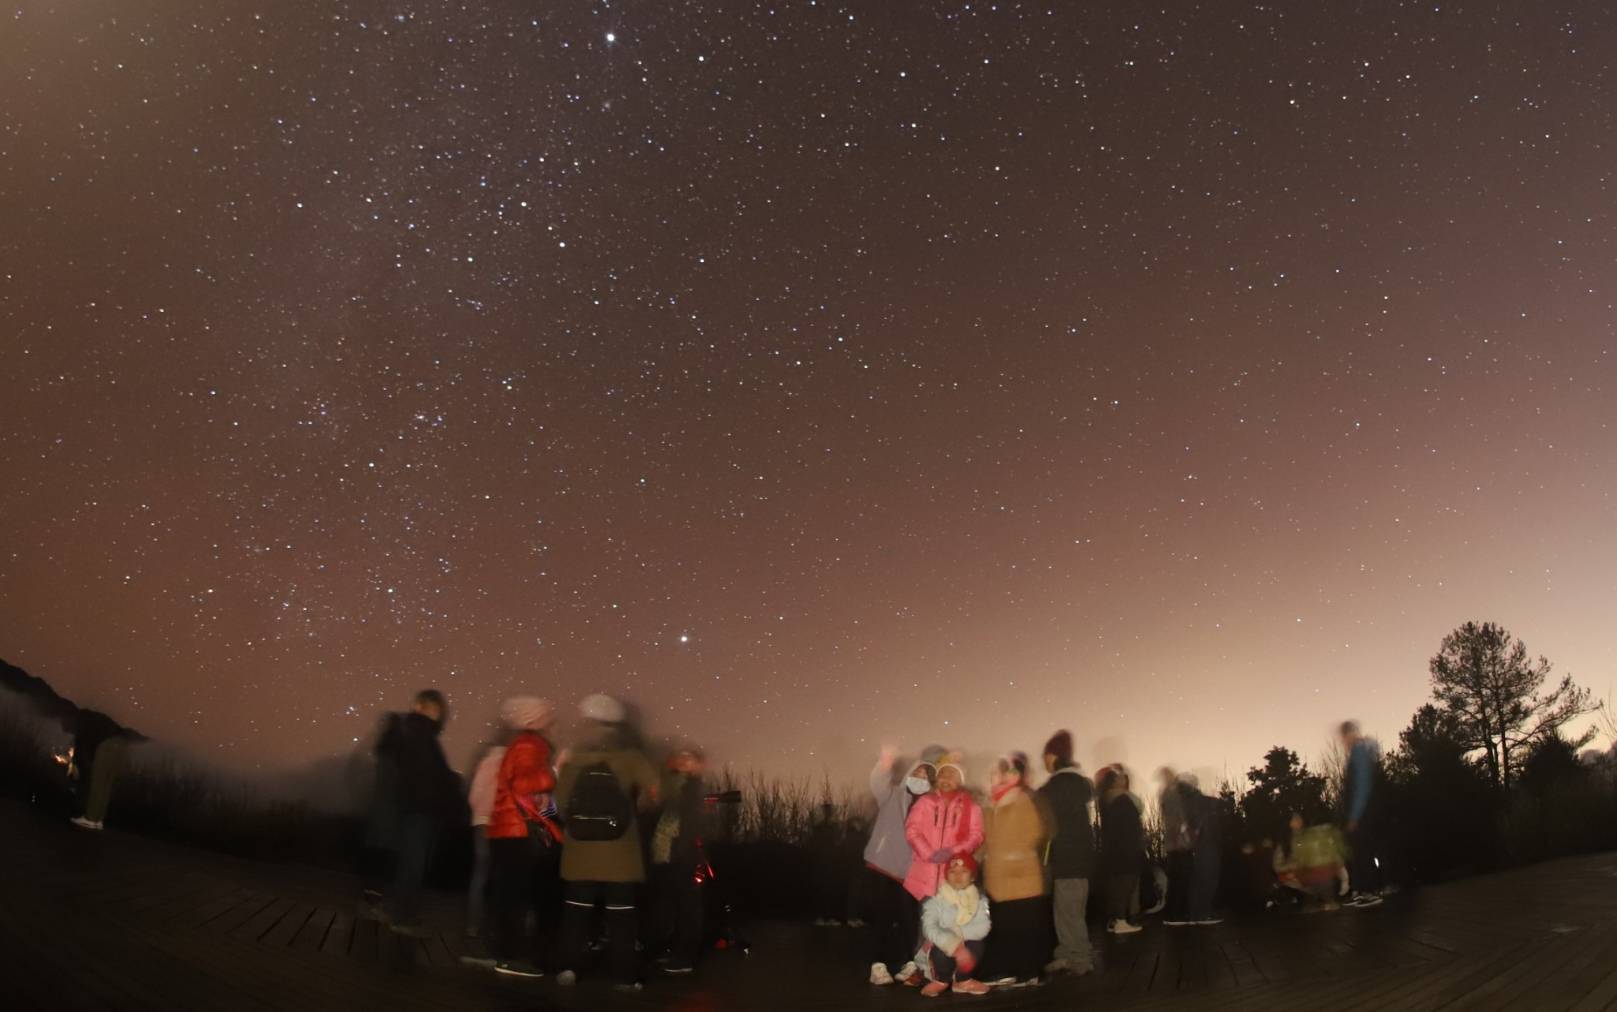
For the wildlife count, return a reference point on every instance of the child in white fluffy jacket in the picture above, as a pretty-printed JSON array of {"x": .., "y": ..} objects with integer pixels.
[{"x": 953, "y": 925}]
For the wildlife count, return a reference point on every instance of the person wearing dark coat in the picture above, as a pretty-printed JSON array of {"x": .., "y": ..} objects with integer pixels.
[
  {"x": 99, "y": 748},
  {"x": 1122, "y": 841},
  {"x": 1203, "y": 821},
  {"x": 678, "y": 865},
  {"x": 1070, "y": 857},
  {"x": 422, "y": 795}
]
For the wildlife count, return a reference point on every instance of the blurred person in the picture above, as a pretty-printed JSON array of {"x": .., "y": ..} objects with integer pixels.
[
  {"x": 1360, "y": 817},
  {"x": 941, "y": 823},
  {"x": 1175, "y": 847},
  {"x": 825, "y": 844},
  {"x": 1070, "y": 855},
  {"x": 1015, "y": 829},
  {"x": 602, "y": 785},
  {"x": 678, "y": 864},
  {"x": 424, "y": 795},
  {"x": 1309, "y": 863},
  {"x": 954, "y": 923},
  {"x": 1204, "y": 823},
  {"x": 524, "y": 839},
  {"x": 95, "y": 760},
  {"x": 1122, "y": 842},
  {"x": 480, "y": 801},
  {"x": 892, "y": 911}
]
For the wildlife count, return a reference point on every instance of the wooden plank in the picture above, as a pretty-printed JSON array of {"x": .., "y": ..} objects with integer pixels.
[
  {"x": 261, "y": 923},
  {"x": 290, "y": 924},
  {"x": 312, "y": 935},
  {"x": 340, "y": 935}
]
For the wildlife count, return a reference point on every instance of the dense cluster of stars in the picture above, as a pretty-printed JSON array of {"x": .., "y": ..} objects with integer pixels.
[{"x": 814, "y": 374}]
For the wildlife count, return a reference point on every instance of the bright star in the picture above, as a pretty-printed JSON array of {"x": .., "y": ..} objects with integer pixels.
[{"x": 611, "y": 37}]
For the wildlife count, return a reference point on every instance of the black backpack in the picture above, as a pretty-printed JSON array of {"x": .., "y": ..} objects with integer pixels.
[{"x": 598, "y": 808}]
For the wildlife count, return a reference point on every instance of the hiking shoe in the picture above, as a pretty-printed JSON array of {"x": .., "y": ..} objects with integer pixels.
[
  {"x": 518, "y": 968},
  {"x": 879, "y": 975},
  {"x": 83, "y": 823},
  {"x": 970, "y": 986},
  {"x": 933, "y": 989},
  {"x": 1124, "y": 928},
  {"x": 566, "y": 978}
]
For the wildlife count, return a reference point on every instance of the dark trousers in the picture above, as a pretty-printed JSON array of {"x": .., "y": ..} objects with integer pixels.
[
  {"x": 579, "y": 917},
  {"x": 894, "y": 919},
  {"x": 1203, "y": 882},
  {"x": 524, "y": 874},
  {"x": 418, "y": 838},
  {"x": 943, "y": 964},
  {"x": 1019, "y": 942},
  {"x": 1364, "y": 849},
  {"x": 1179, "y": 870},
  {"x": 679, "y": 900},
  {"x": 1122, "y": 897}
]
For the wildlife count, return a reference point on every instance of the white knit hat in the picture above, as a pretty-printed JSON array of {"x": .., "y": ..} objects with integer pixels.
[
  {"x": 528, "y": 713},
  {"x": 603, "y": 708}
]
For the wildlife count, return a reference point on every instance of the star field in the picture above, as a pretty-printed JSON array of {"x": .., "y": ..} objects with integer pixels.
[{"x": 813, "y": 374}]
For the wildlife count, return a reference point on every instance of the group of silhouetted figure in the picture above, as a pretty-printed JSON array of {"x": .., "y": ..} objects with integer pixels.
[
  {"x": 960, "y": 891},
  {"x": 944, "y": 926}
]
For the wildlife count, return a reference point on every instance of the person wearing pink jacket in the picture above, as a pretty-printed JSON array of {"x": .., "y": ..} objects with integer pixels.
[{"x": 940, "y": 825}]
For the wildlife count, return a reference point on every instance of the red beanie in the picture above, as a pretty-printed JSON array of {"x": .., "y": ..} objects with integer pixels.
[{"x": 963, "y": 858}]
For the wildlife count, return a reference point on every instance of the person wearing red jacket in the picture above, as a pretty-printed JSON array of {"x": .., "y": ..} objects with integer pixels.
[
  {"x": 940, "y": 825},
  {"x": 524, "y": 839}
]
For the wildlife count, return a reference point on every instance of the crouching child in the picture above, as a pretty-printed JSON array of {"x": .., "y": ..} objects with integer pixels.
[{"x": 954, "y": 923}]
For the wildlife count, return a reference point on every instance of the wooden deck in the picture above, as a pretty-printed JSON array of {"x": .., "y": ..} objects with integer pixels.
[{"x": 111, "y": 921}]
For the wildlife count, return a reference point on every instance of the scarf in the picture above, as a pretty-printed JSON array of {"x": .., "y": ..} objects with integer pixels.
[
  {"x": 964, "y": 900},
  {"x": 998, "y": 794}
]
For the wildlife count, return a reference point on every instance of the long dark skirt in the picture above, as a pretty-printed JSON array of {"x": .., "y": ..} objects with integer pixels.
[{"x": 1020, "y": 940}]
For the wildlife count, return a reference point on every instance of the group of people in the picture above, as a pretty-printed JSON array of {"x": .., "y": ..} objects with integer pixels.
[
  {"x": 553, "y": 832},
  {"x": 964, "y": 896}
]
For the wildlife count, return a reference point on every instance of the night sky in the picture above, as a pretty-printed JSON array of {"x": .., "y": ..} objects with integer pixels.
[{"x": 812, "y": 374}]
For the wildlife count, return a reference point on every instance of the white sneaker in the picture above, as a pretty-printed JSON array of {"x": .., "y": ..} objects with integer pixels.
[
  {"x": 879, "y": 975},
  {"x": 83, "y": 823},
  {"x": 907, "y": 971},
  {"x": 1124, "y": 928}
]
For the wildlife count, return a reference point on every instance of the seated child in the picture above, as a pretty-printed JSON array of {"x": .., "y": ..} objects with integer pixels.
[
  {"x": 953, "y": 925},
  {"x": 1313, "y": 863}
]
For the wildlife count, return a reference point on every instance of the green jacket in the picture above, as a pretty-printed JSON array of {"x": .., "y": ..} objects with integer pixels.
[{"x": 617, "y": 860}]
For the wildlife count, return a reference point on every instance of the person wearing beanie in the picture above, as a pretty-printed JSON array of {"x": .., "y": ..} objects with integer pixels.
[
  {"x": 954, "y": 922},
  {"x": 523, "y": 837},
  {"x": 1070, "y": 857},
  {"x": 1015, "y": 829},
  {"x": 600, "y": 789},
  {"x": 891, "y": 912},
  {"x": 941, "y": 823}
]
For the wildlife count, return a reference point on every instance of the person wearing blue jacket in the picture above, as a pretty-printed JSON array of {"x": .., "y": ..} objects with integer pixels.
[
  {"x": 892, "y": 914},
  {"x": 1359, "y": 817}
]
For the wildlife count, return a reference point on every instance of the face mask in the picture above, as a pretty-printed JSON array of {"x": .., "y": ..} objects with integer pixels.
[{"x": 917, "y": 785}]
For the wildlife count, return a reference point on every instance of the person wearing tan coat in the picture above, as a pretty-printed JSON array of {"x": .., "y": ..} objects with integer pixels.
[{"x": 1015, "y": 829}]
